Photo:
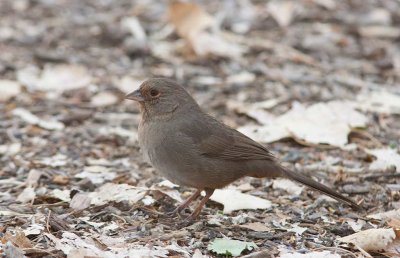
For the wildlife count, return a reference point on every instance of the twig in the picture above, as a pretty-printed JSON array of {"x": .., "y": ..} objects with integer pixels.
[{"x": 47, "y": 222}]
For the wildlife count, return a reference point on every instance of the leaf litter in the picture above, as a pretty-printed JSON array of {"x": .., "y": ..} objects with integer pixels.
[{"x": 323, "y": 73}]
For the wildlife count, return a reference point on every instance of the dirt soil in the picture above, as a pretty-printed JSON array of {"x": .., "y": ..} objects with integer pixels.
[{"x": 328, "y": 50}]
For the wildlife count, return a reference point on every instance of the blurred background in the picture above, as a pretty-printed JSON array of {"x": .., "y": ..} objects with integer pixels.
[{"x": 316, "y": 79}]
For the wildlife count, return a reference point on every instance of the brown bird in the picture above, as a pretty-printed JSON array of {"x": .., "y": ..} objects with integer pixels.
[{"x": 191, "y": 148}]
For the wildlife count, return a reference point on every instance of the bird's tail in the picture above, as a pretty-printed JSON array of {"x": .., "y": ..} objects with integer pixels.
[{"x": 319, "y": 187}]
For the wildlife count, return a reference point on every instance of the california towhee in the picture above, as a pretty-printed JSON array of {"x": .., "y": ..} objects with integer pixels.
[{"x": 191, "y": 148}]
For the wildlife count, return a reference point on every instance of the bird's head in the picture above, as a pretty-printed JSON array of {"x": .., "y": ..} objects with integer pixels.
[{"x": 161, "y": 96}]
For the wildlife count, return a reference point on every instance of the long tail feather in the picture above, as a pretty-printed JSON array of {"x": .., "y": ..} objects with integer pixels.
[{"x": 319, "y": 187}]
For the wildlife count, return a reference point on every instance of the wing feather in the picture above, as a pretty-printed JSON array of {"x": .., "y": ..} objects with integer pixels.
[{"x": 216, "y": 140}]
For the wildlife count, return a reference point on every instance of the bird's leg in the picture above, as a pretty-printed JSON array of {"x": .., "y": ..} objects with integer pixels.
[
  {"x": 199, "y": 207},
  {"x": 183, "y": 205}
]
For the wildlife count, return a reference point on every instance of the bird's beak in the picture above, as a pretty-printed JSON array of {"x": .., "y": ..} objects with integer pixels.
[{"x": 135, "y": 95}]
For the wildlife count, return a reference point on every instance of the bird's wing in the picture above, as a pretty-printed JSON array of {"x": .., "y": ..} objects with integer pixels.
[{"x": 217, "y": 140}]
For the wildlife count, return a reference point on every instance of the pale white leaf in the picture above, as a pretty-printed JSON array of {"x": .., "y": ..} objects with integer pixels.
[
  {"x": 148, "y": 200},
  {"x": 132, "y": 24},
  {"x": 328, "y": 123},
  {"x": 103, "y": 99},
  {"x": 241, "y": 78},
  {"x": 392, "y": 214},
  {"x": 117, "y": 193},
  {"x": 27, "y": 195},
  {"x": 33, "y": 229},
  {"x": 189, "y": 19},
  {"x": 328, "y": 4},
  {"x": 316, "y": 254},
  {"x": 30, "y": 118},
  {"x": 63, "y": 77},
  {"x": 94, "y": 224},
  {"x": 80, "y": 201},
  {"x": 58, "y": 160},
  {"x": 379, "y": 102},
  {"x": 267, "y": 133},
  {"x": 9, "y": 89},
  {"x": 70, "y": 242},
  {"x": 139, "y": 251},
  {"x": 371, "y": 239},
  {"x": 97, "y": 174},
  {"x": 63, "y": 195},
  {"x": 379, "y": 31},
  {"x": 378, "y": 16},
  {"x": 282, "y": 11},
  {"x": 235, "y": 200},
  {"x": 116, "y": 130},
  {"x": 10, "y": 149},
  {"x": 168, "y": 184},
  {"x": 287, "y": 185},
  {"x": 385, "y": 158},
  {"x": 128, "y": 84},
  {"x": 197, "y": 254},
  {"x": 356, "y": 225},
  {"x": 174, "y": 194},
  {"x": 297, "y": 229},
  {"x": 205, "y": 43},
  {"x": 33, "y": 177},
  {"x": 191, "y": 22},
  {"x": 112, "y": 227}
]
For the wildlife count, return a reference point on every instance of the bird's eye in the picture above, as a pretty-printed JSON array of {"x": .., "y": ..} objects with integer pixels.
[{"x": 154, "y": 93}]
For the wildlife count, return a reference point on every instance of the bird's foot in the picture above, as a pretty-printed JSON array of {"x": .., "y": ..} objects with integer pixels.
[
  {"x": 187, "y": 222},
  {"x": 174, "y": 213}
]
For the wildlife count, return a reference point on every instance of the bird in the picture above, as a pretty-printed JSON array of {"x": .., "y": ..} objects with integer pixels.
[{"x": 191, "y": 148}]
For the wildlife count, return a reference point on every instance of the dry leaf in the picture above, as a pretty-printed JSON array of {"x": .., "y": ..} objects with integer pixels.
[
  {"x": 19, "y": 239},
  {"x": 297, "y": 229},
  {"x": 104, "y": 99},
  {"x": 379, "y": 102},
  {"x": 60, "y": 179},
  {"x": 63, "y": 195},
  {"x": 30, "y": 118},
  {"x": 393, "y": 214},
  {"x": 197, "y": 254},
  {"x": 12, "y": 251},
  {"x": 10, "y": 149},
  {"x": 97, "y": 174},
  {"x": 58, "y": 160},
  {"x": 287, "y": 185},
  {"x": 235, "y": 200},
  {"x": 191, "y": 22},
  {"x": 117, "y": 193},
  {"x": 256, "y": 226},
  {"x": 57, "y": 78},
  {"x": 128, "y": 84},
  {"x": 33, "y": 229},
  {"x": 282, "y": 11},
  {"x": 371, "y": 239},
  {"x": 385, "y": 158},
  {"x": 323, "y": 254},
  {"x": 356, "y": 225},
  {"x": 328, "y": 123},
  {"x": 70, "y": 243},
  {"x": 116, "y": 130},
  {"x": 9, "y": 89},
  {"x": 33, "y": 177},
  {"x": 189, "y": 19},
  {"x": 27, "y": 195},
  {"x": 132, "y": 24},
  {"x": 379, "y": 31}
]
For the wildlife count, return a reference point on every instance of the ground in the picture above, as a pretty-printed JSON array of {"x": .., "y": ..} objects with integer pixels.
[{"x": 66, "y": 130}]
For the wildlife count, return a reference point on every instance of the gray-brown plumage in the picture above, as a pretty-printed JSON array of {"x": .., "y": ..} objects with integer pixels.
[{"x": 191, "y": 148}]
